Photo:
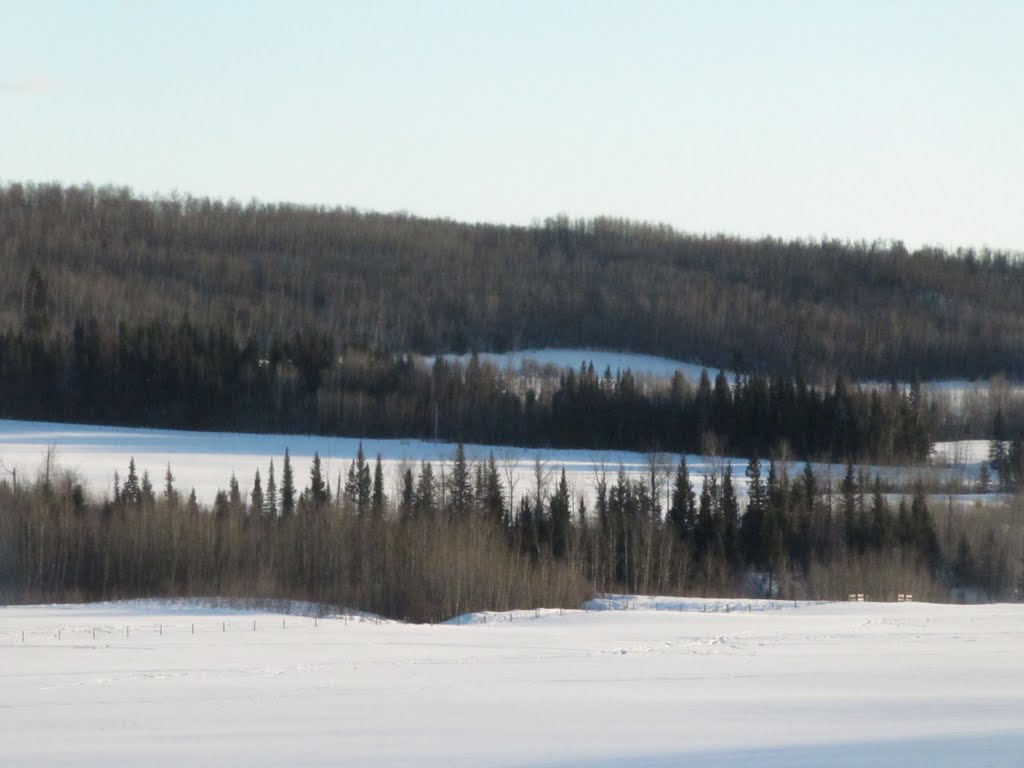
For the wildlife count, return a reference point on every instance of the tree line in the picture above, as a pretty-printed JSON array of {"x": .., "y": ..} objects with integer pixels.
[
  {"x": 178, "y": 375},
  {"x": 396, "y": 283},
  {"x": 459, "y": 537}
]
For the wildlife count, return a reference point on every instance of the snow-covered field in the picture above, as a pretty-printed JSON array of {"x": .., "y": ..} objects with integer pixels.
[
  {"x": 646, "y": 365},
  {"x": 764, "y": 684},
  {"x": 206, "y": 460}
]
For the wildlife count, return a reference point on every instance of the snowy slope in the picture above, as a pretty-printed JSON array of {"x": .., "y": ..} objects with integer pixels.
[{"x": 914, "y": 685}]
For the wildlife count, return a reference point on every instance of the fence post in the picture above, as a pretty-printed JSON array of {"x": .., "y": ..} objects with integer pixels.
[
  {"x": 128, "y": 630},
  {"x": 254, "y": 625},
  {"x": 223, "y": 626},
  {"x": 193, "y": 629}
]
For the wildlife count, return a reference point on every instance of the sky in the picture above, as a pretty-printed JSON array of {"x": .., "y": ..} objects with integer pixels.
[{"x": 874, "y": 119}]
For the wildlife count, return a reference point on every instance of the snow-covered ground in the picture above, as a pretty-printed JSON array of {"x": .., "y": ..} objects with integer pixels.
[
  {"x": 647, "y": 365},
  {"x": 206, "y": 460},
  {"x": 691, "y": 684}
]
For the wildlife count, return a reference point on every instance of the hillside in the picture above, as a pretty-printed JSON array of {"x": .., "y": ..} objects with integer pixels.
[{"x": 400, "y": 283}]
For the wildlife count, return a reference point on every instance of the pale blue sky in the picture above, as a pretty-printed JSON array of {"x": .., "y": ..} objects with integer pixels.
[{"x": 862, "y": 119}]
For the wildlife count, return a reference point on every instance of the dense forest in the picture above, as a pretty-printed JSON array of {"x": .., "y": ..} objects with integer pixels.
[
  {"x": 397, "y": 284},
  {"x": 455, "y": 540},
  {"x": 174, "y": 375}
]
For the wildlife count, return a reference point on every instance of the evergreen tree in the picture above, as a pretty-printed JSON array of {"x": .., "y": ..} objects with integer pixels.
[
  {"x": 848, "y": 488},
  {"x": 752, "y": 524},
  {"x": 378, "y": 500},
  {"x": 170, "y": 495},
  {"x": 287, "y": 487},
  {"x": 964, "y": 570},
  {"x": 494, "y": 493},
  {"x": 235, "y": 496},
  {"x": 271, "y": 505},
  {"x": 256, "y": 497},
  {"x": 682, "y": 512},
  {"x": 363, "y": 483},
  {"x": 193, "y": 503},
  {"x": 922, "y": 528},
  {"x": 424, "y": 503},
  {"x": 132, "y": 493},
  {"x": 559, "y": 511},
  {"x": 730, "y": 519},
  {"x": 408, "y": 492},
  {"x": 881, "y": 529},
  {"x": 146, "y": 491},
  {"x": 460, "y": 485},
  {"x": 319, "y": 495}
]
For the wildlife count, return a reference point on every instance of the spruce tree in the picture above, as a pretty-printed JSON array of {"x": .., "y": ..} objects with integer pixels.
[
  {"x": 271, "y": 492},
  {"x": 170, "y": 495},
  {"x": 408, "y": 492},
  {"x": 424, "y": 503},
  {"x": 319, "y": 495},
  {"x": 378, "y": 499},
  {"x": 682, "y": 512},
  {"x": 235, "y": 496},
  {"x": 494, "y": 493},
  {"x": 751, "y": 526},
  {"x": 146, "y": 490},
  {"x": 131, "y": 493},
  {"x": 256, "y": 496},
  {"x": 364, "y": 485},
  {"x": 560, "y": 511},
  {"x": 287, "y": 487},
  {"x": 460, "y": 484},
  {"x": 730, "y": 519}
]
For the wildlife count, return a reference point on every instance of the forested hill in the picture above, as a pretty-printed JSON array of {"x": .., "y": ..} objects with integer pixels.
[{"x": 399, "y": 283}]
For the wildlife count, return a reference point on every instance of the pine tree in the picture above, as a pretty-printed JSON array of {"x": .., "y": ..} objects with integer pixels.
[
  {"x": 193, "y": 503},
  {"x": 287, "y": 487}
]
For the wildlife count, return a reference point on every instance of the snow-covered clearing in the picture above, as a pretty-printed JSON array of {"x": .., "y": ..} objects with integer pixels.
[
  {"x": 206, "y": 460},
  {"x": 776, "y": 685},
  {"x": 603, "y": 359}
]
